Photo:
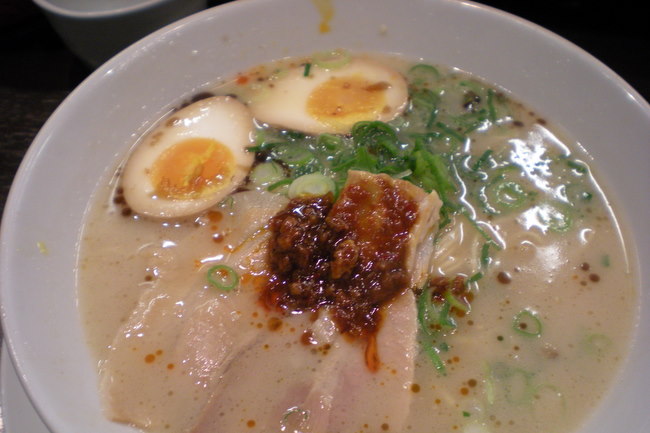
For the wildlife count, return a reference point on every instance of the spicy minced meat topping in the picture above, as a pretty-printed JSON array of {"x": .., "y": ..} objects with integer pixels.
[{"x": 348, "y": 255}]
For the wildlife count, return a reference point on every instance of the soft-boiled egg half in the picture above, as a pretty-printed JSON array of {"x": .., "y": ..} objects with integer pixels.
[
  {"x": 321, "y": 100},
  {"x": 192, "y": 160}
]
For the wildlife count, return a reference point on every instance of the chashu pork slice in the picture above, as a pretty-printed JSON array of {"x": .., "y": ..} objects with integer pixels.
[
  {"x": 388, "y": 196},
  {"x": 183, "y": 334},
  {"x": 324, "y": 383},
  {"x": 367, "y": 400},
  {"x": 280, "y": 384},
  {"x": 347, "y": 397}
]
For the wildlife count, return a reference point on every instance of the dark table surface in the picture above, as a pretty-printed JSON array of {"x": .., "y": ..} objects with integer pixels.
[{"x": 37, "y": 71}]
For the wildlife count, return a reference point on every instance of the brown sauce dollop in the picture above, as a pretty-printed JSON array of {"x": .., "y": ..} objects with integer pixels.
[{"x": 348, "y": 256}]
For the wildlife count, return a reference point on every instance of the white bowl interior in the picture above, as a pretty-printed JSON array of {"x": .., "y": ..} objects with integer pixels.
[{"x": 99, "y": 121}]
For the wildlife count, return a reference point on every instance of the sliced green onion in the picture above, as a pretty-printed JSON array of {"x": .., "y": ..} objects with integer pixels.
[
  {"x": 474, "y": 278},
  {"x": 471, "y": 121},
  {"x": 364, "y": 161},
  {"x": 519, "y": 387},
  {"x": 604, "y": 260},
  {"x": 579, "y": 166},
  {"x": 427, "y": 325},
  {"x": 266, "y": 173},
  {"x": 433, "y": 317},
  {"x": 482, "y": 159},
  {"x": 223, "y": 277},
  {"x": 517, "y": 384},
  {"x": 344, "y": 166},
  {"x": 424, "y": 104},
  {"x": 376, "y": 135},
  {"x": 294, "y": 135},
  {"x": 264, "y": 146},
  {"x": 307, "y": 69},
  {"x": 434, "y": 355},
  {"x": 421, "y": 172},
  {"x": 456, "y": 303},
  {"x": 485, "y": 254},
  {"x": 492, "y": 112},
  {"x": 445, "y": 320},
  {"x": 527, "y": 323},
  {"x": 423, "y": 302},
  {"x": 547, "y": 394},
  {"x": 279, "y": 184},
  {"x": 451, "y": 133},
  {"x": 293, "y": 154},
  {"x": 504, "y": 195},
  {"x": 227, "y": 202},
  {"x": 597, "y": 344},
  {"x": 422, "y": 75},
  {"x": 576, "y": 193},
  {"x": 440, "y": 171},
  {"x": 490, "y": 391},
  {"x": 311, "y": 185},
  {"x": 403, "y": 174},
  {"x": 474, "y": 86},
  {"x": 330, "y": 142},
  {"x": 556, "y": 217},
  {"x": 332, "y": 59},
  {"x": 479, "y": 229}
]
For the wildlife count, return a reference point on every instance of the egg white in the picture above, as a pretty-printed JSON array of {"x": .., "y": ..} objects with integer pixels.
[
  {"x": 220, "y": 118},
  {"x": 284, "y": 102}
]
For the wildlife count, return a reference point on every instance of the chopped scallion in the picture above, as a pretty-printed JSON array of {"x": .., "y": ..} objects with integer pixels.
[
  {"x": 312, "y": 185},
  {"x": 492, "y": 112},
  {"x": 423, "y": 74},
  {"x": 279, "y": 184},
  {"x": 330, "y": 142},
  {"x": 307, "y": 69},
  {"x": 556, "y": 216},
  {"x": 482, "y": 160},
  {"x": 505, "y": 195},
  {"x": 597, "y": 344},
  {"x": 293, "y": 154},
  {"x": 605, "y": 260},
  {"x": 527, "y": 323},
  {"x": 579, "y": 167},
  {"x": 332, "y": 59},
  {"x": 223, "y": 277},
  {"x": 485, "y": 255},
  {"x": 456, "y": 303},
  {"x": 452, "y": 133},
  {"x": 434, "y": 355},
  {"x": 265, "y": 174}
]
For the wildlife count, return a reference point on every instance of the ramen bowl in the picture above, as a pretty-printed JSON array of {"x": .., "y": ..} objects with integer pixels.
[{"x": 82, "y": 142}]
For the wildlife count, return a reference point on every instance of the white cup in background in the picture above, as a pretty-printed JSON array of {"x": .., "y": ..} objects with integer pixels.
[{"x": 95, "y": 30}]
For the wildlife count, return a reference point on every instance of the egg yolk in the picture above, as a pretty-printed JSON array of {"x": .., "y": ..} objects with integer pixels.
[
  {"x": 192, "y": 168},
  {"x": 343, "y": 101}
]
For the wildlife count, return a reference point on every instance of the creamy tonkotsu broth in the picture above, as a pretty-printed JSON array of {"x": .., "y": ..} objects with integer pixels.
[{"x": 480, "y": 284}]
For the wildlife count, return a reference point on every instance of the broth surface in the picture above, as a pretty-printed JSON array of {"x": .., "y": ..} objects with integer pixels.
[{"x": 540, "y": 336}]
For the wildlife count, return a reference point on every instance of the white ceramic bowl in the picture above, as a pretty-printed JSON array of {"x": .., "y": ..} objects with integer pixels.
[{"x": 99, "y": 121}]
